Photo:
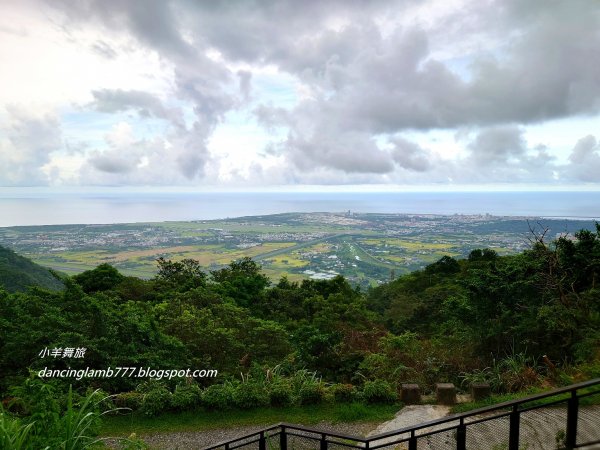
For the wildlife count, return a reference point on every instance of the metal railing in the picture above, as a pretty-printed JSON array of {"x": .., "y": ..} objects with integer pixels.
[{"x": 558, "y": 419}]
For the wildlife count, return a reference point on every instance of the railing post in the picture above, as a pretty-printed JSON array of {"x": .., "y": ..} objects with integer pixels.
[
  {"x": 262, "y": 443},
  {"x": 513, "y": 435},
  {"x": 572, "y": 413},
  {"x": 283, "y": 439},
  {"x": 461, "y": 436},
  {"x": 412, "y": 442},
  {"x": 323, "y": 442}
]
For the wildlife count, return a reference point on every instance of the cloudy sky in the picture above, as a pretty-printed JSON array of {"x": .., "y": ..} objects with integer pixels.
[{"x": 195, "y": 94}]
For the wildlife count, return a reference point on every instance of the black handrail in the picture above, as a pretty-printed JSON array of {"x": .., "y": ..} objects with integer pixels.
[{"x": 512, "y": 408}]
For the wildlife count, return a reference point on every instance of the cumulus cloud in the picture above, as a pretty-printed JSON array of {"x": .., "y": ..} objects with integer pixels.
[
  {"x": 410, "y": 155},
  {"x": 348, "y": 152},
  {"x": 152, "y": 22},
  {"x": 272, "y": 117},
  {"x": 127, "y": 159},
  {"x": 503, "y": 154},
  {"x": 198, "y": 79},
  {"x": 245, "y": 83},
  {"x": 144, "y": 103},
  {"x": 111, "y": 163},
  {"x": 386, "y": 82},
  {"x": 27, "y": 141},
  {"x": 498, "y": 145},
  {"x": 585, "y": 160},
  {"x": 364, "y": 76},
  {"x": 123, "y": 154},
  {"x": 370, "y": 82},
  {"x": 114, "y": 100}
]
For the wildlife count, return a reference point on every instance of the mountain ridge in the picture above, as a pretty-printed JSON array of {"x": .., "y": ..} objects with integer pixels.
[{"x": 18, "y": 273}]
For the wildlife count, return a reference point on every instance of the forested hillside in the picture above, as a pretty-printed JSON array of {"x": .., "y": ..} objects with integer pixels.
[
  {"x": 18, "y": 273},
  {"x": 531, "y": 319}
]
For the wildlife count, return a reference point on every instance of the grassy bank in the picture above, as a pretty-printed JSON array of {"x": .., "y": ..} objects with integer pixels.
[
  {"x": 205, "y": 420},
  {"x": 500, "y": 398}
]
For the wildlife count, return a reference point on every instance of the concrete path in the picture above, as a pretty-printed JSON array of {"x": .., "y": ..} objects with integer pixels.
[
  {"x": 412, "y": 415},
  {"x": 541, "y": 429},
  {"x": 406, "y": 417}
]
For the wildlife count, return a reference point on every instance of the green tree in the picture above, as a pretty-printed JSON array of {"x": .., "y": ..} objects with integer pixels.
[
  {"x": 102, "y": 278},
  {"x": 242, "y": 281},
  {"x": 180, "y": 275}
]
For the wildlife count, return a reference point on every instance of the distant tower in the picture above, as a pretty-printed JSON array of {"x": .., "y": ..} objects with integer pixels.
[{"x": 392, "y": 274}]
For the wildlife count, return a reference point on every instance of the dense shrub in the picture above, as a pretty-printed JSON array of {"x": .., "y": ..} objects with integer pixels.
[
  {"x": 281, "y": 393},
  {"x": 49, "y": 423},
  {"x": 38, "y": 400},
  {"x": 132, "y": 400},
  {"x": 150, "y": 385},
  {"x": 186, "y": 397},
  {"x": 343, "y": 393},
  {"x": 156, "y": 401},
  {"x": 250, "y": 395},
  {"x": 378, "y": 391},
  {"x": 591, "y": 370},
  {"x": 311, "y": 393},
  {"x": 14, "y": 435},
  {"x": 218, "y": 396}
]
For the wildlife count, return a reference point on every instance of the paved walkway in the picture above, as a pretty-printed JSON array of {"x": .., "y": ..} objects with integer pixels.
[{"x": 541, "y": 429}]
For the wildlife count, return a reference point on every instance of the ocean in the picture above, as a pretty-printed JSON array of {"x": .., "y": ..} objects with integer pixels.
[{"x": 103, "y": 208}]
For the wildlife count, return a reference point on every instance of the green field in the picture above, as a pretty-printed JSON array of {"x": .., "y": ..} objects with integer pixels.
[{"x": 366, "y": 248}]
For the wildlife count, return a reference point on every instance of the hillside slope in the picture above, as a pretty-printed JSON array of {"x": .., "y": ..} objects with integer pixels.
[{"x": 17, "y": 273}]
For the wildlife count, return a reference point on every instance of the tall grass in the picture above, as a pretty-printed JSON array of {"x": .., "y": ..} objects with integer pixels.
[
  {"x": 77, "y": 424},
  {"x": 13, "y": 434},
  {"x": 46, "y": 425}
]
